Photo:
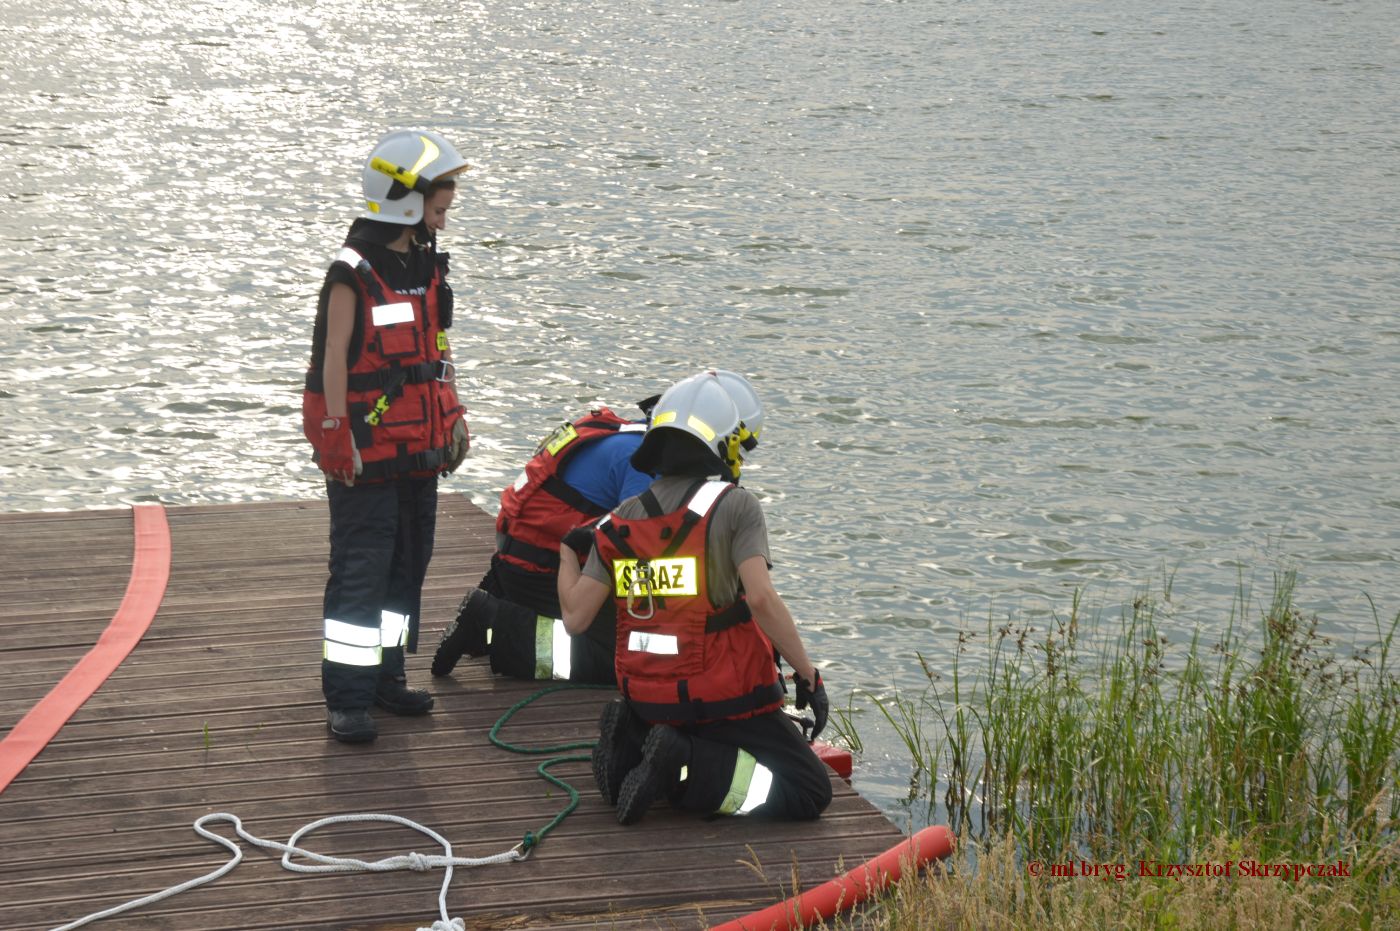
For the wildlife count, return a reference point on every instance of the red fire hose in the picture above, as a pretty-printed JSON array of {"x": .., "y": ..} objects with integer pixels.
[{"x": 849, "y": 890}]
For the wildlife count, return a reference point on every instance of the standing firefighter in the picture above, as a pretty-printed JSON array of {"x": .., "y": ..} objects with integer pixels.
[
  {"x": 383, "y": 418},
  {"x": 686, "y": 564}
]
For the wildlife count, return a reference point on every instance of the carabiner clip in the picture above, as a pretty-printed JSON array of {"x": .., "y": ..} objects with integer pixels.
[{"x": 636, "y": 587}]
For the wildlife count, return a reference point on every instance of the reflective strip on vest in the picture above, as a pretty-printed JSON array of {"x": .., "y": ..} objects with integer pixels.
[
  {"x": 350, "y": 644},
  {"x": 705, "y": 498},
  {"x": 632, "y": 428},
  {"x": 393, "y": 629},
  {"x": 661, "y": 644},
  {"x": 552, "y": 653},
  {"x": 388, "y": 314},
  {"x": 749, "y": 787},
  {"x": 349, "y": 257}
]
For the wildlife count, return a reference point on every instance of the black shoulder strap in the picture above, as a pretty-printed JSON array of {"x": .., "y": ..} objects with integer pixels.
[{"x": 610, "y": 530}]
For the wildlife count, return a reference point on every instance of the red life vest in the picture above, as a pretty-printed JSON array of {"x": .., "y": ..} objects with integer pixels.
[
  {"x": 399, "y": 392},
  {"x": 687, "y": 662},
  {"x": 541, "y": 507}
]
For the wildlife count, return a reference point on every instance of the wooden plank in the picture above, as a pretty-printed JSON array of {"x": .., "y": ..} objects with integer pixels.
[
  {"x": 56, "y": 617},
  {"x": 219, "y": 709}
]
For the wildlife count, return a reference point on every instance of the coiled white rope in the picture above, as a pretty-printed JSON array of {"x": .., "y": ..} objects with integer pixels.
[{"x": 324, "y": 864}]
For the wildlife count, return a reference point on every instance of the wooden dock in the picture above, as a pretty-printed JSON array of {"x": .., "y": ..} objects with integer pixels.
[{"x": 218, "y": 709}]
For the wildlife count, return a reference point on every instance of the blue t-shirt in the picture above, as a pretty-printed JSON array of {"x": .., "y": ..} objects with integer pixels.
[{"x": 603, "y": 473}]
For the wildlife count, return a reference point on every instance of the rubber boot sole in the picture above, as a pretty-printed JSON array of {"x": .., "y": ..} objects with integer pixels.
[
  {"x": 660, "y": 765},
  {"x": 615, "y": 754}
]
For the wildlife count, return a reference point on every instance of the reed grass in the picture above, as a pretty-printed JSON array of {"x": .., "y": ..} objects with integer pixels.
[{"x": 1078, "y": 743}]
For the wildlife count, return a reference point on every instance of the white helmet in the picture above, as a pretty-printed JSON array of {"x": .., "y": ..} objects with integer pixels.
[
  {"x": 401, "y": 170},
  {"x": 746, "y": 400},
  {"x": 700, "y": 407}
]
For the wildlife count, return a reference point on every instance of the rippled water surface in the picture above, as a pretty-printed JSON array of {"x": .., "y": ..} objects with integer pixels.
[{"x": 1040, "y": 295}]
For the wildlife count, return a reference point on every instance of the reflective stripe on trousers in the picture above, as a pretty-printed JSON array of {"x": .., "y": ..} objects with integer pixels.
[
  {"x": 749, "y": 787},
  {"x": 352, "y": 645},
  {"x": 552, "y": 648}
]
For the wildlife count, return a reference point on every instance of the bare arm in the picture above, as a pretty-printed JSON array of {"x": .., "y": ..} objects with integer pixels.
[
  {"x": 580, "y": 597},
  {"x": 340, "y": 324},
  {"x": 773, "y": 616}
]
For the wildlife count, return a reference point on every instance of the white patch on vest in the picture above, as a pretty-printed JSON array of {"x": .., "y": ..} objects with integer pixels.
[
  {"x": 661, "y": 644},
  {"x": 386, "y": 314}
]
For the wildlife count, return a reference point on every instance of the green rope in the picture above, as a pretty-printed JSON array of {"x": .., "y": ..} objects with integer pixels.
[{"x": 533, "y": 839}]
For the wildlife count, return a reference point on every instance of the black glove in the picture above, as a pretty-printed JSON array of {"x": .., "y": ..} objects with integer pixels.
[
  {"x": 580, "y": 540},
  {"x": 813, "y": 693}
]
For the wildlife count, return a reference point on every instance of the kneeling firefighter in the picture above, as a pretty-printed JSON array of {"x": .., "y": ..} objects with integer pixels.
[
  {"x": 578, "y": 473},
  {"x": 686, "y": 564},
  {"x": 383, "y": 417}
]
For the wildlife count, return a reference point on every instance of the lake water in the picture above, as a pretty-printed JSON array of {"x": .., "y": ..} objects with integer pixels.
[{"x": 1040, "y": 296}]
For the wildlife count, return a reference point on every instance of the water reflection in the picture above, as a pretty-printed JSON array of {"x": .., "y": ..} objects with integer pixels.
[{"x": 1036, "y": 302}]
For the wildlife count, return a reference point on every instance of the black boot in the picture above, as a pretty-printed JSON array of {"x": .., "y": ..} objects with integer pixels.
[
  {"x": 393, "y": 695},
  {"x": 351, "y": 726},
  {"x": 619, "y": 748},
  {"x": 465, "y": 635},
  {"x": 665, "y": 752}
]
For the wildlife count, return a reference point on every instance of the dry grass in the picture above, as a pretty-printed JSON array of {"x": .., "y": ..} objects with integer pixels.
[{"x": 999, "y": 894}]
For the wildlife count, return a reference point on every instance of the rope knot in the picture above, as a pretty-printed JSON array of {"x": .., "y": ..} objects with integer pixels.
[
  {"x": 418, "y": 862},
  {"x": 456, "y": 924}
]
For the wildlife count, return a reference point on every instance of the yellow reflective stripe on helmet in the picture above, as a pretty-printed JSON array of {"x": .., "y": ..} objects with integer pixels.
[
  {"x": 663, "y": 417},
  {"x": 749, "y": 787},
  {"x": 430, "y": 154},
  {"x": 701, "y": 427}
]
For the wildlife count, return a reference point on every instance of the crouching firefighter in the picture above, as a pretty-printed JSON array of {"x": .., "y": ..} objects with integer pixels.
[
  {"x": 383, "y": 417},
  {"x": 686, "y": 564},
  {"x": 578, "y": 473}
]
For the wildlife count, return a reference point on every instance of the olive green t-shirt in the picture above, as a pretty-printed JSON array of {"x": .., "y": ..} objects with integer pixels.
[{"x": 737, "y": 533}]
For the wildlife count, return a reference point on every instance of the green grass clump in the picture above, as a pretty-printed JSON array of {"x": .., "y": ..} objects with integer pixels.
[{"x": 1068, "y": 746}]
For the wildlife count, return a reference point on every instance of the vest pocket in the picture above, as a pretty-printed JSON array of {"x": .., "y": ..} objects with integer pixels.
[
  {"x": 404, "y": 419},
  {"x": 401, "y": 423},
  {"x": 398, "y": 341}
]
